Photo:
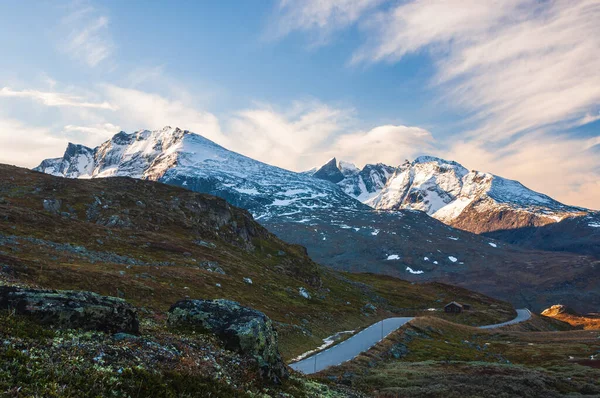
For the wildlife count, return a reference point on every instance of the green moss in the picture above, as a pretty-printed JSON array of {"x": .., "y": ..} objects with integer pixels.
[{"x": 21, "y": 327}]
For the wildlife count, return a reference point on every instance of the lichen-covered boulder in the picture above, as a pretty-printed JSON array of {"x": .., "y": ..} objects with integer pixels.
[
  {"x": 241, "y": 329},
  {"x": 71, "y": 309}
]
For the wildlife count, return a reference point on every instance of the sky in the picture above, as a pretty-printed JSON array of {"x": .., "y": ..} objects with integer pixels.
[{"x": 510, "y": 87}]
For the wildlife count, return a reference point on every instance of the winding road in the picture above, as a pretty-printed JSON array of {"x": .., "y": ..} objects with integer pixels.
[{"x": 367, "y": 338}]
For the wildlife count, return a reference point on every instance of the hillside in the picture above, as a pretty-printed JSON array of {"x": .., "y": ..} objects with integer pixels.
[
  {"x": 565, "y": 314},
  {"x": 574, "y": 234},
  {"x": 153, "y": 244},
  {"x": 338, "y": 230},
  {"x": 437, "y": 358},
  {"x": 411, "y": 245}
]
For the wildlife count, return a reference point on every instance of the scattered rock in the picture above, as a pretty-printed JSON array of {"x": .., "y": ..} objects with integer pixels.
[
  {"x": 115, "y": 221},
  {"x": 124, "y": 336},
  {"x": 213, "y": 266},
  {"x": 71, "y": 309},
  {"x": 241, "y": 329},
  {"x": 370, "y": 308},
  {"x": 248, "y": 281},
  {"x": 304, "y": 293},
  {"x": 558, "y": 309},
  {"x": 52, "y": 205},
  {"x": 210, "y": 245},
  {"x": 399, "y": 350}
]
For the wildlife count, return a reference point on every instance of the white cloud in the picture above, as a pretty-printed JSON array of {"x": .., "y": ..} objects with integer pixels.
[
  {"x": 292, "y": 138},
  {"x": 27, "y": 146},
  {"x": 142, "y": 110},
  {"x": 517, "y": 65},
  {"x": 55, "y": 99},
  {"x": 384, "y": 144},
  {"x": 523, "y": 72},
  {"x": 87, "y": 35},
  {"x": 97, "y": 131},
  {"x": 562, "y": 167},
  {"x": 322, "y": 16}
]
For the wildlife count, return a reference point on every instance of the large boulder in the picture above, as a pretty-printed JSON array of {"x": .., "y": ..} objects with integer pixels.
[
  {"x": 241, "y": 329},
  {"x": 71, "y": 309}
]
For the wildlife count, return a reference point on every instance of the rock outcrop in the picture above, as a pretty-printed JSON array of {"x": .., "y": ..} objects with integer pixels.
[
  {"x": 558, "y": 309},
  {"x": 71, "y": 309},
  {"x": 241, "y": 329}
]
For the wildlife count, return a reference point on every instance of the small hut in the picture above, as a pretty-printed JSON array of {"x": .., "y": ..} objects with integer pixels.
[{"x": 453, "y": 308}]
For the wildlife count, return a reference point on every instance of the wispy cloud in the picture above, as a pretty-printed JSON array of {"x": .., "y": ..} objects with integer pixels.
[
  {"x": 102, "y": 130},
  {"x": 87, "y": 38},
  {"x": 25, "y": 145},
  {"x": 563, "y": 167},
  {"x": 55, "y": 98},
  {"x": 384, "y": 144},
  {"x": 322, "y": 17},
  {"x": 139, "y": 109},
  {"x": 292, "y": 137},
  {"x": 516, "y": 65},
  {"x": 523, "y": 72}
]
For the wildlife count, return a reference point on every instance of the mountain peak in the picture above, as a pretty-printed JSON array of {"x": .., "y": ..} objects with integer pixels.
[
  {"x": 348, "y": 168},
  {"x": 446, "y": 190},
  {"x": 433, "y": 159},
  {"x": 330, "y": 172}
]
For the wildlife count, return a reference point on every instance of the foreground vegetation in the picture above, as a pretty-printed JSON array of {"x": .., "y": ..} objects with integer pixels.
[{"x": 152, "y": 245}]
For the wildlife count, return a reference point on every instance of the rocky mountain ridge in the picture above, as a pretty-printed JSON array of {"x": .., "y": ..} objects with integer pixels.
[
  {"x": 475, "y": 201},
  {"x": 338, "y": 230},
  {"x": 178, "y": 157}
]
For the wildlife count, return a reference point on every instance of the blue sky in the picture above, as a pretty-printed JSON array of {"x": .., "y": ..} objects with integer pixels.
[{"x": 510, "y": 87}]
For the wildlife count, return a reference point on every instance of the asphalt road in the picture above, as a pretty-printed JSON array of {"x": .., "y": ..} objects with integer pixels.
[
  {"x": 348, "y": 349},
  {"x": 367, "y": 338},
  {"x": 522, "y": 315}
]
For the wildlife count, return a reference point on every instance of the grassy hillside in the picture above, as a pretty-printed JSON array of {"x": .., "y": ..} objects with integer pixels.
[
  {"x": 432, "y": 357},
  {"x": 154, "y": 244}
]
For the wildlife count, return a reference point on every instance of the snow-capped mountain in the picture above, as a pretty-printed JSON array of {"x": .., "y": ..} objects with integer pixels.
[
  {"x": 362, "y": 185},
  {"x": 178, "y": 157},
  {"x": 337, "y": 229},
  {"x": 470, "y": 200}
]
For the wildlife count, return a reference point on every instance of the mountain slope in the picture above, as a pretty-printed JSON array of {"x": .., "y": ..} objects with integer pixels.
[
  {"x": 362, "y": 185},
  {"x": 341, "y": 232},
  {"x": 474, "y": 201},
  {"x": 189, "y": 160},
  {"x": 154, "y": 244},
  {"x": 575, "y": 234}
]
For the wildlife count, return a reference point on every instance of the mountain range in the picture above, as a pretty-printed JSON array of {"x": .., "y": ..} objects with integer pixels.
[
  {"x": 376, "y": 219},
  {"x": 471, "y": 200}
]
